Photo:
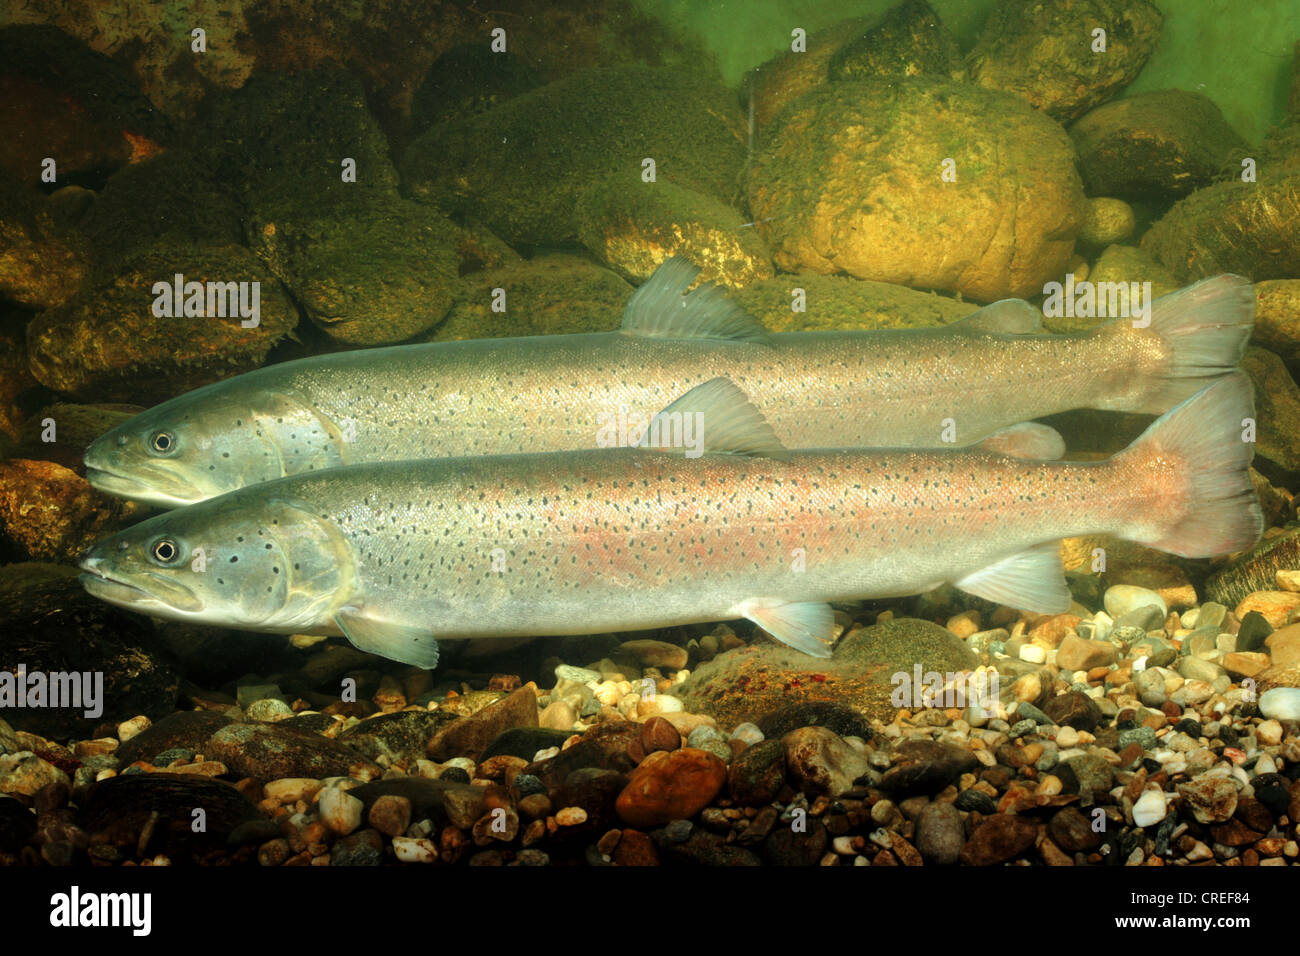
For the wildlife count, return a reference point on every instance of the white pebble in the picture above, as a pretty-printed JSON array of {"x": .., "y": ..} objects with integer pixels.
[
  {"x": 749, "y": 733},
  {"x": 1122, "y": 598},
  {"x": 545, "y": 754},
  {"x": 1280, "y": 703},
  {"x": 1265, "y": 764},
  {"x": 129, "y": 728},
  {"x": 1067, "y": 737},
  {"x": 1032, "y": 653},
  {"x": 415, "y": 850},
  {"x": 339, "y": 810}
]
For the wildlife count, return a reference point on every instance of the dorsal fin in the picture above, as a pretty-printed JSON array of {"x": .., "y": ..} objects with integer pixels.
[
  {"x": 715, "y": 418},
  {"x": 659, "y": 309},
  {"x": 1010, "y": 316}
]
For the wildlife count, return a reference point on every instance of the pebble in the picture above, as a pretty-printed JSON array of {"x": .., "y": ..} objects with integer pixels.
[
  {"x": 339, "y": 810},
  {"x": 268, "y": 709},
  {"x": 819, "y": 762},
  {"x": 390, "y": 814},
  {"x": 670, "y": 785},
  {"x": 570, "y": 816},
  {"x": 415, "y": 849},
  {"x": 129, "y": 728},
  {"x": 1078, "y": 654},
  {"x": 653, "y": 653},
  {"x": 1149, "y": 809},
  {"x": 1280, "y": 703},
  {"x": 749, "y": 733},
  {"x": 940, "y": 834},
  {"x": 658, "y": 704},
  {"x": 1210, "y": 799},
  {"x": 1033, "y": 653},
  {"x": 999, "y": 838},
  {"x": 1269, "y": 733},
  {"x": 1121, "y": 599},
  {"x": 558, "y": 715},
  {"x": 1275, "y": 606}
]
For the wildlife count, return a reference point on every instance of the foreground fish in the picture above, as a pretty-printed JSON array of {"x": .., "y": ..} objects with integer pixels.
[
  {"x": 398, "y": 554},
  {"x": 925, "y": 388}
]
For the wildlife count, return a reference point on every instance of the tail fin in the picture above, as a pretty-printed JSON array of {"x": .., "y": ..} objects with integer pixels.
[
  {"x": 1195, "y": 467},
  {"x": 1205, "y": 326}
]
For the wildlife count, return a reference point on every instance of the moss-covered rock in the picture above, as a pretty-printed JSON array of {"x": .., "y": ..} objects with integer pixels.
[
  {"x": 1043, "y": 51},
  {"x": 634, "y": 227},
  {"x": 41, "y": 264},
  {"x": 749, "y": 682},
  {"x": 909, "y": 40},
  {"x": 852, "y": 178},
  {"x": 106, "y": 344},
  {"x": 371, "y": 270},
  {"x": 1277, "y": 317},
  {"x": 1170, "y": 142},
  {"x": 552, "y": 294},
  {"x": 50, "y": 513},
  {"x": 521, "y": 168},
  {"x": 842, "y": 302},
  {"x": 789, "y": 75},
  {"x": 1277, "y": 411}
]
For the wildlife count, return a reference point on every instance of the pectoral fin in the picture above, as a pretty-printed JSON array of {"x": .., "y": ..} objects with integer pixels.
[
  {"x": 1032, "y": 580},
  {"x": 804, "y": 626},
  {"x": 398, "y": 642}
]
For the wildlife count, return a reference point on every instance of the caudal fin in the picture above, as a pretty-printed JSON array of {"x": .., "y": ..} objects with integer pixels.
[
  {"x": 1205, "y": 326},
  {"x": 1191, "y": 467}
]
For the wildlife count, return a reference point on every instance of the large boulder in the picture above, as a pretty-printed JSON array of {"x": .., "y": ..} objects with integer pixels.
[{"x": 852, "y": 178}]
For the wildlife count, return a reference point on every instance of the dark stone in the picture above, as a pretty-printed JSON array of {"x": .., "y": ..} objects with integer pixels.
[
  {"x": 254, "y": 831},
  {"x": 55, "y": 626},
  {"x": 834, "y": 717},
  {"x": 1189, "y": 726},
  {"x": 786, "y": 847},
  {"x": 455, "y": 775},
  {"x": 363, "y": 848},
  {"x": 999, "y": 838},
  {"x": 1271, "y": 791},
  {"x": 1254, "y": 630},
  {"x": 401, "y": 737},
  {"x": 702, "y": 848},
  {"x": 593, "y": 789},
  {"x": 189, "y": 729},
  {"x": 1086, "y": 773},
  {"x": 1072, "y": 831},
  {"x": 757, "y": 775},
  {"x": 940, "y": 834},
  {"x": 972, "y": 800},
  {"x": 524, "y": 742},
  {"x": 118, "y": 809},
  {"x": 426, "y": 795},
  {"x": 466, "y": 80},
  {"x": 927, "y": 766},
  {"x": 604, "y": 746},
  {"x": 1073, "y": 709},
  {"x": 909, "y": 40},
  {"x": 17, "y": 824},
  {"x": 275, "y": 751}
]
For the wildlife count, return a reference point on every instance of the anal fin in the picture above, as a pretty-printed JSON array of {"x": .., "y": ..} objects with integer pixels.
[
  {"x": 1032, "y": 580},
  {"x": 805, "y": 626},
  {"x": 1026, "y": 440},
  {"x": 398, "y": 642}
]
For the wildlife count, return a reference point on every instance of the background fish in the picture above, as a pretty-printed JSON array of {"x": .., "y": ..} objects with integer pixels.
[
  {"x": 919, "y": 388},
  {"x": 397, "y": 554}
]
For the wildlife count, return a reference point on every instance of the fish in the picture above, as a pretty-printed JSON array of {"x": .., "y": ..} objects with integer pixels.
[
  {"x": 954, "y": 385},
  {"x": 398, "y": 555}
]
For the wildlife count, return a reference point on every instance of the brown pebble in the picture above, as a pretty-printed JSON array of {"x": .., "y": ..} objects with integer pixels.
[
  {"x": 536, "y": 806},
  {"x": 390, "y": 814},
  {"x": 274, "y": 852},
  {"x": 658, "y": 734},
  {"x": 635, "y": 849},
  {"x": 610, "y": 840}
]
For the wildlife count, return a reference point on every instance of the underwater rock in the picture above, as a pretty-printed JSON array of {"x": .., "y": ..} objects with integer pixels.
[
  {"x": 496, "y": 168},
  {"x": 1209, "y": 799},
  {"x": 16, "y": 380},
  {"x": 852, "y": 179},
  {"x": 835, "y": 718},
  {"x": 106, "y": 343},
  {"x": 121, "y": 809},
  {"x": 525, "y": 742},
  {"x": 466, "y": 80},
  {"x": 74, "y": 428},
  {"x": 841, "y": 302},
  {"x": 1275, "y": 607},
  {"x": 41, "y": 263},
  {"x": 53, "y": 626},
  {"x": 757, "y": 775},
  {"x": 820, "y": 762},
  {"x": 49, "y": 513},
  {"x": 604, "y": 746},
  {"x": 275, "y": 751},
  {"x": 1170, "y": 142},
  {"x": 789, "y": 75},
  {"x": 1073, "y": 709},
  {"x": 1277, "y": 411},
  {"x": 1044, "y": 51},
  {"x": 189, "y": 729},
  {"x": 399, "y": 737},
  {"x": 909, "y": 40},
  {"x": 999, "y": 838},
  {"x": 1252, "y": 229},
  {"x": 1255, "y": 570},
  {"x": 61, "y": 99},
  {"x": 868, "y": 665},
  {"x": 371, "y": 270},
  {"x": 1277, "y": 317},
  {"x": 552, "y": 294},
  {"x": 670, "y": 785},
  {"x": 926, "y": 766},
  {"x": 940, "y": 834},
  {"x": 172, "y": 198},
  {"x": 470, "y": 736},
  {"x": 1105, "y": 221},
  {"x": 634, "y": 230}
]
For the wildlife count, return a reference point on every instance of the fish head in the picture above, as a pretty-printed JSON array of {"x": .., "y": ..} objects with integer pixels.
[
  {"x": 245, "y": 560},
  {"x": 211, "y": 441}
]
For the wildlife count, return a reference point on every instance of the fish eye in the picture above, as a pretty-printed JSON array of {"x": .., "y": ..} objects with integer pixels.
[
  {"x": 166, "y": 551},
  {"x": 163, "y": 443}
]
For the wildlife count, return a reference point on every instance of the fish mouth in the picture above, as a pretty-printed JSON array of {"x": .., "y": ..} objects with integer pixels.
[
  {"x": 173, "y": 597},
  {"x": 139, "y": 489}
]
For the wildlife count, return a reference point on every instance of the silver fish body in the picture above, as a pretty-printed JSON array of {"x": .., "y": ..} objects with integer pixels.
[{"x": 949, "y": 386}]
